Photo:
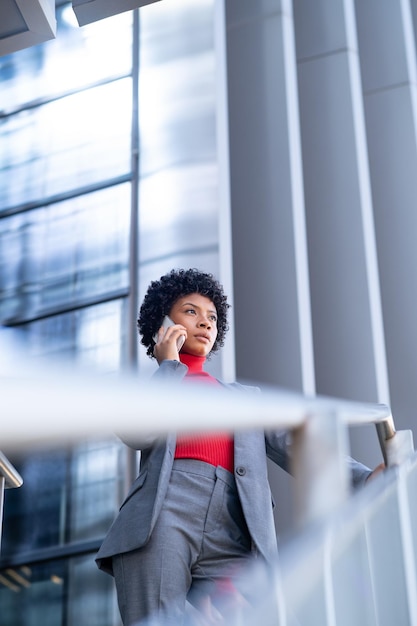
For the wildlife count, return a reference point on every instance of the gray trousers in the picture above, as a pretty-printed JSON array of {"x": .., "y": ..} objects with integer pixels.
[{"x": 200, "y": 539}]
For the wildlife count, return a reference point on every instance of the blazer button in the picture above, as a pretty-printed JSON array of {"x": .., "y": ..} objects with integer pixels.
[{"x": 240, "y": 471}]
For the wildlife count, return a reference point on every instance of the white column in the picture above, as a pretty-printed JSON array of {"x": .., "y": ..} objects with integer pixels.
[
  {"x": 388, "y": 66},
  {"x": 271, "y": 287},
  {"x": 349, "y": 347}
]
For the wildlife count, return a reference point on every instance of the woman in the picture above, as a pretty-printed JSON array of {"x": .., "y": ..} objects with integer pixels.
[{"x": 201, "y": 505}]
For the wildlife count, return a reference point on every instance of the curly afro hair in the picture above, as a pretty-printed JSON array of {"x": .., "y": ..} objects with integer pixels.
[{"x": 163, "y": 293}]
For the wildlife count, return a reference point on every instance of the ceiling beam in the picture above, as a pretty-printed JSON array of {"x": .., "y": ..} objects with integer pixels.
[
  {"x": 25, "y": 23},
  {"x": 88, "y": 11}
]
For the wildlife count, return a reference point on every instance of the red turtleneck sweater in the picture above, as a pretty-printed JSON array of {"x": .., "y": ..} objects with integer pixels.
[{"x": 216, "y": 449}]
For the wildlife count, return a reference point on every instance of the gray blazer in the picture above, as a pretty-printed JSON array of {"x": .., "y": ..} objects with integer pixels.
[{"x": 140, "y": 509}]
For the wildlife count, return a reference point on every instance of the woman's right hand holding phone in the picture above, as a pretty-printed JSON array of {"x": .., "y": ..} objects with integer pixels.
[{"x": 169, "y": 341}]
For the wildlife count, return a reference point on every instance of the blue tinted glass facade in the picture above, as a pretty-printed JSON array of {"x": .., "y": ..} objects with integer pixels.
[
  {"x": 65, "y": 205},
  {"x": 76, "y": 164}
]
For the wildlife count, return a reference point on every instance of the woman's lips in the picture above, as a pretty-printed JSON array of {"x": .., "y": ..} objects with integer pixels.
[{"x": 204, "y": 338}]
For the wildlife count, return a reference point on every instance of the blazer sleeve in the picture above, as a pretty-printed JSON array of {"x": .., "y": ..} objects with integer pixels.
[
  {"x": 170, "y": 372},
  {"x": 278, "y": 449},
  {"x": 359, "y": 472}
]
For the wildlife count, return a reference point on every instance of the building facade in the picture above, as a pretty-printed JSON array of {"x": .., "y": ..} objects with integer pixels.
[{"x": 272, "y": 143}]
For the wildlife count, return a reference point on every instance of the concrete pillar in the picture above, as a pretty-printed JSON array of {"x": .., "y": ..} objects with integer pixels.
[
  {"x": 388, "y": 67},
  {"x": 271, "y": 290},
  {"x": 349, "y": 349}
]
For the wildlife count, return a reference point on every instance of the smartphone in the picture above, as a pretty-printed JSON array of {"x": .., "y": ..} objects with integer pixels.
[{"x": 166, "y": 323}]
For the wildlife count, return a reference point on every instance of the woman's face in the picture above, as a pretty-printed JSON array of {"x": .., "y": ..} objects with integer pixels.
[{"x": 199, "y": 316}]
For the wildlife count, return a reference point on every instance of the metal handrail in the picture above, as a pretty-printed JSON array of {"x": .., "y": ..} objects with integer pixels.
[
  {"x": 386, "y": 429},
  {"x": 386, "y": 432},
  {"x": 9, "y": 473},
  {"x": 90, "y": 405},
  {"x": 67, "y": 406},
  {"x": 9, "y": 479}
]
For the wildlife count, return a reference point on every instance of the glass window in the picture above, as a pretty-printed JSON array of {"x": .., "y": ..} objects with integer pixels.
[
  {"x": 65, "y": 144},
  {"x": 66, "y": 592},
  {"x": 99, "y": 51},
  {"x": 178, "y": 190},
  {"x": 177, "y": 67},
  {"x": 67, "y": 496},
  {"x": 65, "y": 129},
  {"x": 65, "y": 252},
  {"x": 178, "y": 210},
  {"x": 34, "y": 515},
  {"x": 92, "y": 337},
  {"x": 96, "y": 488}
]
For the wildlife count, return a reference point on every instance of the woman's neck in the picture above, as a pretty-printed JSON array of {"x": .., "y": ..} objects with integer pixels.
[{"x": 194, "y": 363}]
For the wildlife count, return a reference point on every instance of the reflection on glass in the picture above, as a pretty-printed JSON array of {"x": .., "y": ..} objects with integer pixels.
[
  {"x": 59, "y": 593},
  {"x": 95, "y": 490},
  {"x": 177, "y": 84},
  {"x": 178, "y": 165},
  {"x": 34, "y": 515},
  {"x": 68, "y": 496},
  {"x": 64, "y": 252},
  {"x": 179, "y": 210},
  {"x": 65, "y": 124},
  {"x": 163, "y": 30},
  {"x": 65, "y": 144},
  {"x": 178, "y": 190},
  {"x": 93, "y": 337},
  {"x": 77, "y": 58}
]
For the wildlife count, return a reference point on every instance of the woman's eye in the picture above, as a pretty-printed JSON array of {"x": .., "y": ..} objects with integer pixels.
[{"x": 190, "y": 311}]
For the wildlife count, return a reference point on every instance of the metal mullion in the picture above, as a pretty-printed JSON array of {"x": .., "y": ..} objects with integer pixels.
[
  {"x": 71, "y": 308},
  {"x": 39, "y": 102},
  {"x": 131, "y": 456},
  {"x": 66, "y": 195},
  {"x": 55, "y": 553},
  {"x": 134, "y": 202}
]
